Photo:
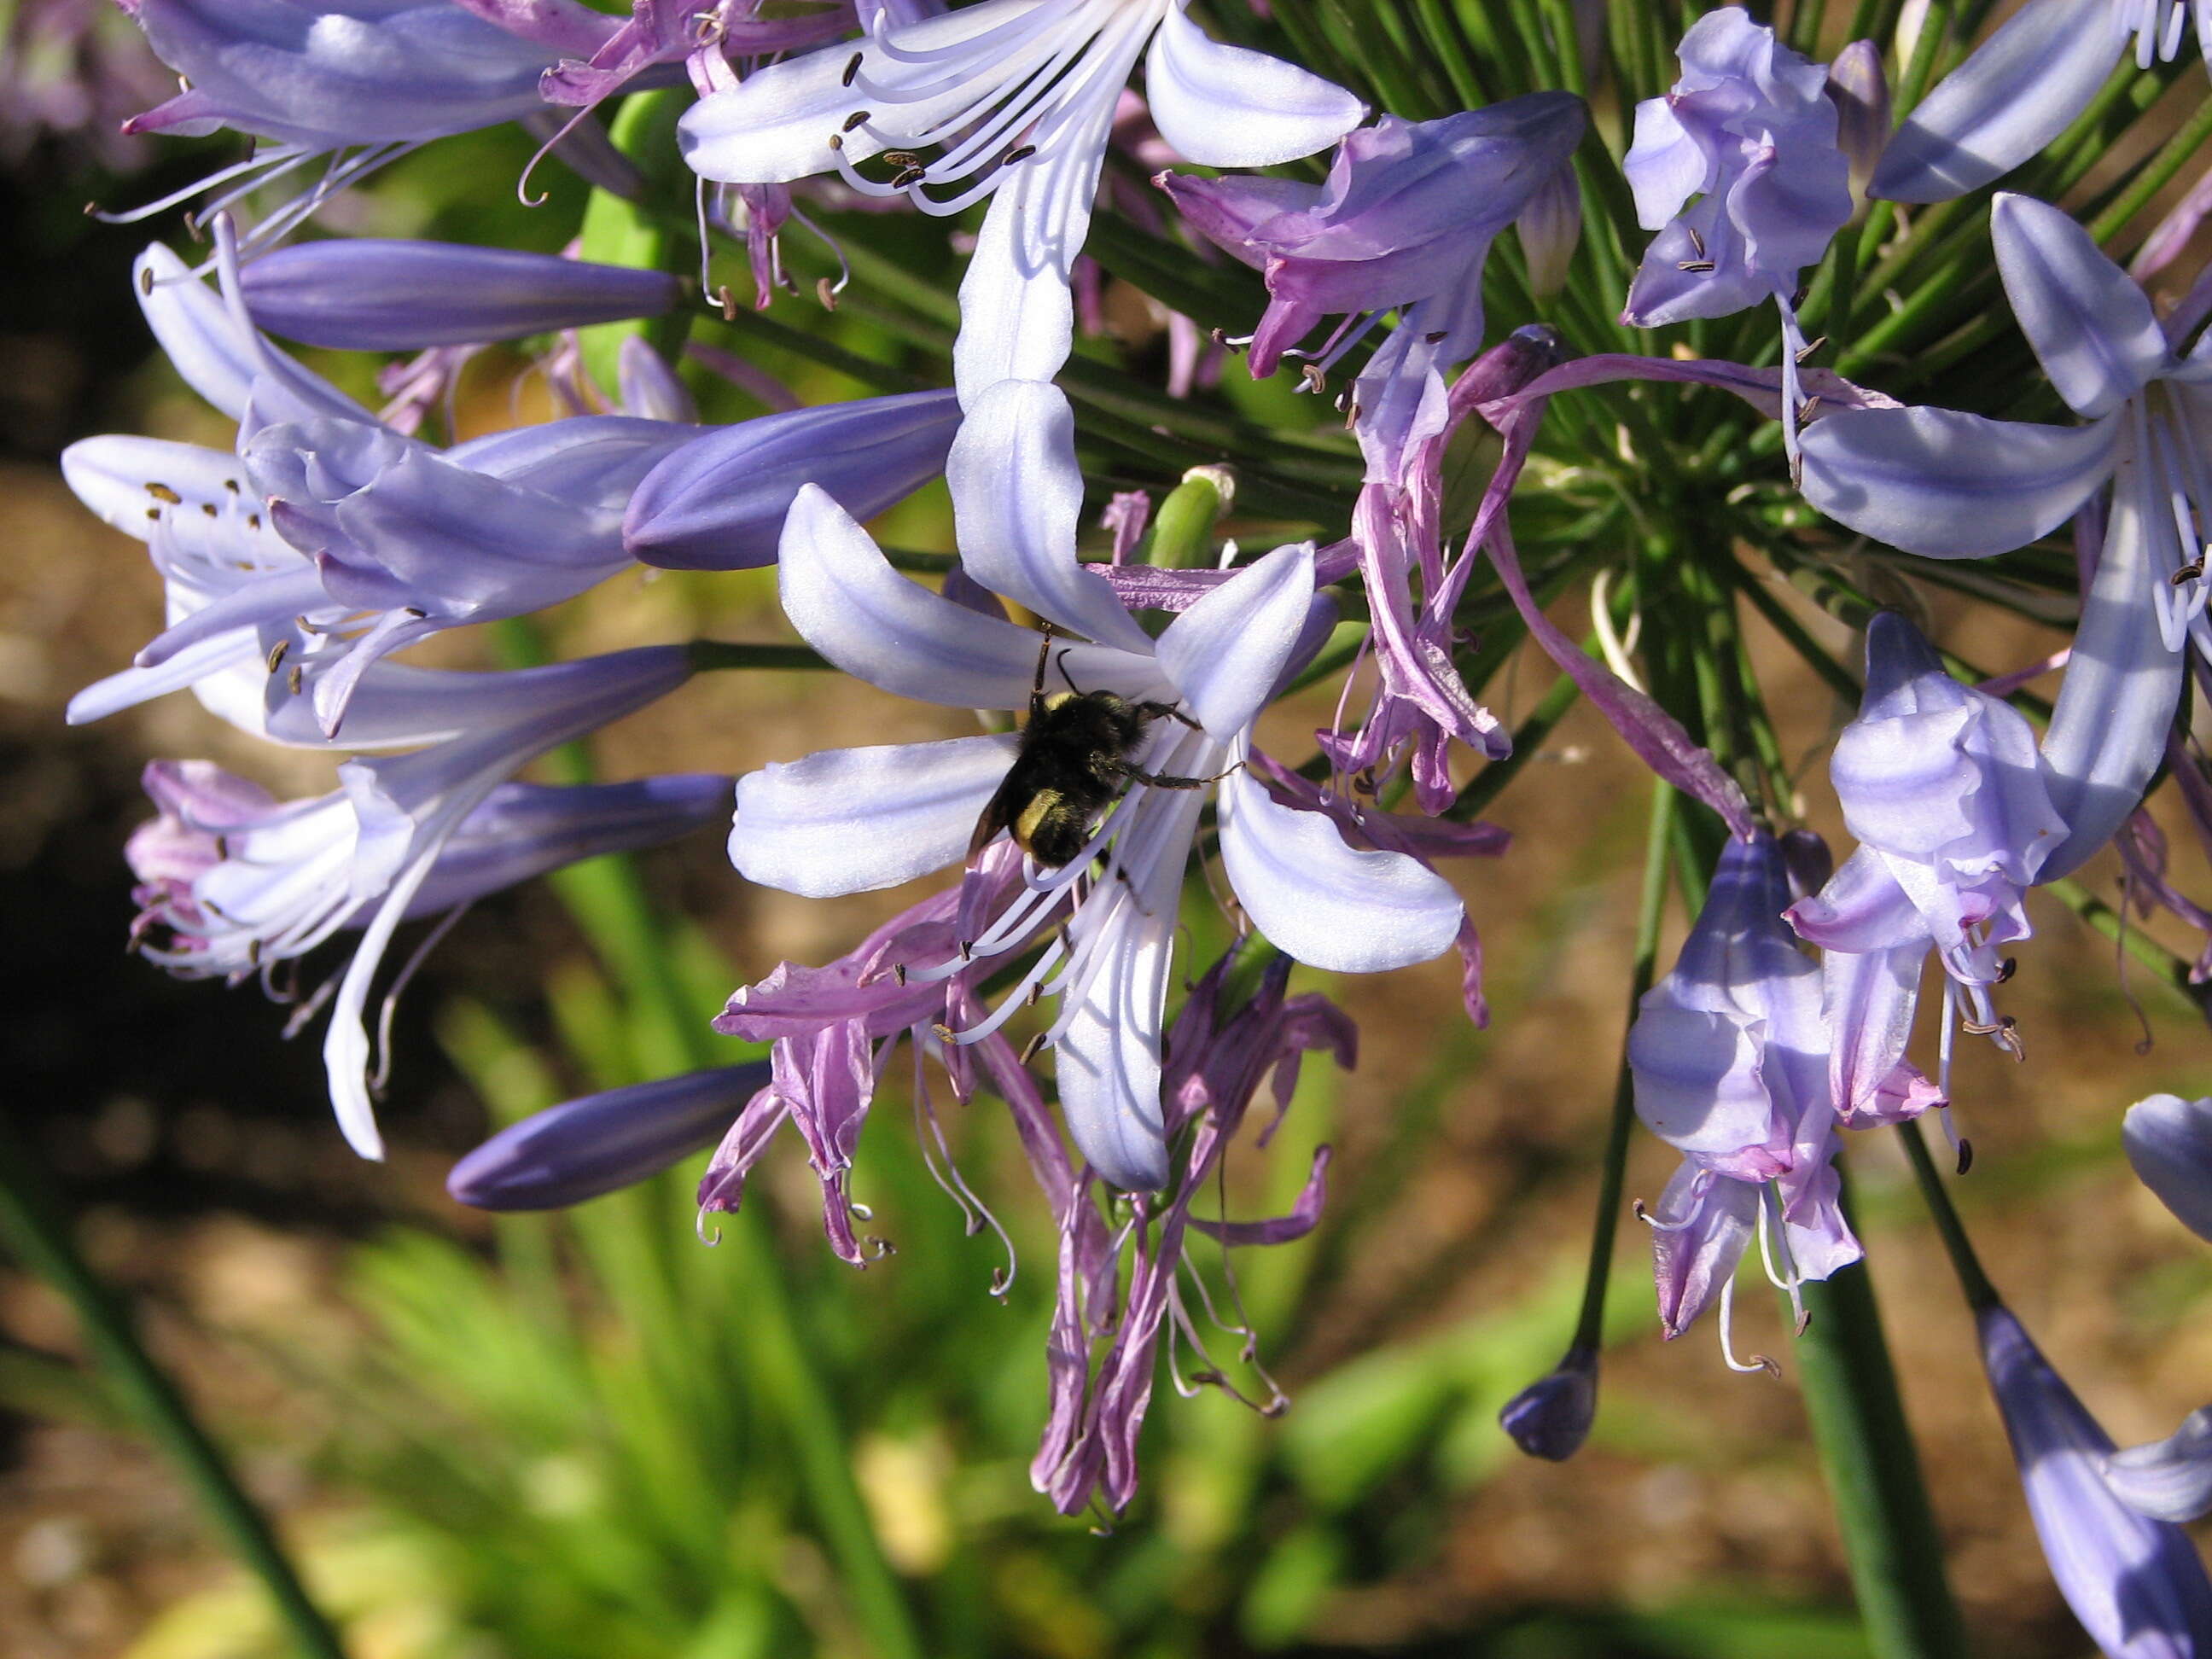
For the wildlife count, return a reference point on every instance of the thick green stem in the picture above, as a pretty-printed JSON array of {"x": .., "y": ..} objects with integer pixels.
[
  {"x": 41, "y": 1240},
  {"x": 1890, "y": 1541}
]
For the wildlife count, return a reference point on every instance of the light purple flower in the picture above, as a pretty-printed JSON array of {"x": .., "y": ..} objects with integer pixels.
[
  {"x": 603, "y": 1142},
  {"x": 1404, "y": 223},
  {"x": 1103, "y": 1351},
  {"x": 848, "y": 820},
  {"x": 2021, "y": 88},
  {"x": 1953, "y": 485},
  {"x": 288, "y": 876},
  {"x": 1750, "y": 132},
  {"x": 1943, "y": 786},
  {"x": 369, "y": 294},
  {"x": 1728, "y": 1056},
  {"x": 320, "y": 78},
  {"x": 2135, "y": 1584},
  {"x": 1014, "y": 99},
  {"x": 2169, "y": 1145}
]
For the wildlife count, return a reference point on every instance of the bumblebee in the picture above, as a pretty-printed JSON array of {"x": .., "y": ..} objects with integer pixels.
[{"x": 1073, "y": 761}]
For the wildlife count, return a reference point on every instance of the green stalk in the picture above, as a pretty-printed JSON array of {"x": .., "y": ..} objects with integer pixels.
[
  {"x": 1980, "y": 1293},
  {"x": 1890, "y": 1541},
  {"x": 2155, "y": 174},
  {"x": 41, "y": 1240},
  {"x": 1613, "y": 1173}
]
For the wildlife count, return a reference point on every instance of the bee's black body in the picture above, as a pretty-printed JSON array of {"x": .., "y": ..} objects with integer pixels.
[{"x": 1074, "y": 759}]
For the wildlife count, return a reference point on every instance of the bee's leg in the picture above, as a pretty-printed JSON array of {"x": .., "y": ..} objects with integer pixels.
[
  {"x": 1165, "y": 781},
  {"x": 1165, "y": 711},
  {"x": 1037, "y": 685}
]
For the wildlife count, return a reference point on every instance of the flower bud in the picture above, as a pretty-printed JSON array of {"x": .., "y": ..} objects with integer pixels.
[
  {"x": 1551, "y": 1417},
  {"x": 582, "y": 1148},
  {"x": 368, "y": 294},
  {"x": 1859, "y": 89},
  {"x": 718, "y": 502},
  {"x": 1551, "y": 225}
]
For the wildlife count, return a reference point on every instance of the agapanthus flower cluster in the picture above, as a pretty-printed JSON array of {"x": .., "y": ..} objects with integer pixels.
[{"x": 1265, "y": 680}]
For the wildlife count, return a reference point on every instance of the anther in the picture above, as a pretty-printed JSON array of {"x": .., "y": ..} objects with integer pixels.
[
  {"x": 2188, "y": 574},
  {"x": 161, "y": 492},
  {"x": 1700, "y": 266},
  {"x": 1436, "y": 337},
  {"x": 1697, "y": 242},
  {"x": 852, "y": 68},
  {"x": 900, "y": 159},
  {"x": 966, "y": 950},
  {"x": 1032, "y": 1048},
  {"x": 1023, "y": 154},
  {"x": 296, "y": 679},
  {"x": 944, "y": 1031},
  {"x": 276, "y": 654},
  {"x": 1314, "y": 378},
  {"x": 1965, "y": 1155},
  {"x": 254, "y": 521},
  {"x": 1805, "y": 410},
  {"x": 898, "y": 974},
  {"x": 154, "y": 513},
  {"x": 907, "y": 177},
  {"x": 1811, "y": 346},
  {"x": 146, "y": 282},
  {"x": 209, "y": 508},
  {"x": 231, "y": 484},
  {"x": 836, "y": 141},
  {"x": 825, "y": 291},
  {"x": 2007, "y": 968},
  {"x": 857, "y": 120}
]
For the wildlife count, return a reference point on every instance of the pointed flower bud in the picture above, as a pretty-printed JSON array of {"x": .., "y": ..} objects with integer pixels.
[
  {"x": 718, "y": 502},
  {"x": 369, "y": 294},
  {"x": 2169, "y": 1144},
  {"x": 1551, "y": 1417},
  {"x": 582, "y": 1148},
  {"x": 1551, "y": 228},
  {"x": 2135, "y": 1584},
  {"x": 1859, "y": 88}
]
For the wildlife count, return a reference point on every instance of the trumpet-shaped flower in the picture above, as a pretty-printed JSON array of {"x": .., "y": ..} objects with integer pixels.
[
  {"x": 1404, "y": 223},
  {"x": 1014, "y": 99},
  {"x": 233, "y": 881},
  {"x": 848, "y": 820},
  {"x": 1953, "y": 485},
  {"x": 2137, "y": 1584},
  {"x": 1750, "y": 133},
  {"x": 2021, "y": 88},
  {"x": 1943, "y": 786},
  {"x": 1728, "y": 1056},
  {"x": 320, "y": 78}
]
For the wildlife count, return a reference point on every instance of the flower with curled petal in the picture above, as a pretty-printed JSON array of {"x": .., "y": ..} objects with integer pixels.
[
  {"x": 1014, "y": 99},
  {"x": 1951, "y": 485},
  {"x": 848, "y": 820}
]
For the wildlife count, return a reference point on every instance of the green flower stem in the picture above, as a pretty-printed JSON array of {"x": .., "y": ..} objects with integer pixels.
[
  {"x": 1890, "y": 1542},
  {"x": 1613, "y": 1173},
  {"x": 619, "y": 232},
  {"x": 610, "y": 904},
  {"x": 1980, "y": 1293},
  {"x": 2171, "y": 971},
  {"x": 41, "y": 1240}
]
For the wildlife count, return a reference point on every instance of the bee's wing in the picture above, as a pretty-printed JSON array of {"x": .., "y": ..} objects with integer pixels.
[{"x": 1005, "y": 806}]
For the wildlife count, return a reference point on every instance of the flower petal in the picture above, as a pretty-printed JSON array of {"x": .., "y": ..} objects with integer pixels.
[
  {"x": 2168, "y": 1480},
  {"x": 852, "y": 820},
  {"x": 1016, "y": 312},
  {"x": 2020, "y": 89},
  {"x": 1108, "y": 1054},
  {"x": 1951, "y": 485},
  {"x": 1016, "y": 497},
  {"x": 1323, "y": 902},
  {"x": 2089, "y": 323},
  {"x": 2169, "y": 1145},
  {"x": 894, "y": 634},
  {"x": 1226, "y": 654},
  {"x": 1229, "y": 106},
  {"x": 2109, "y": 722}
]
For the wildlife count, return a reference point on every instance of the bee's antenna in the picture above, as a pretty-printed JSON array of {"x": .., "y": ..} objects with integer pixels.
[{"x": 1069, "y": 677}]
